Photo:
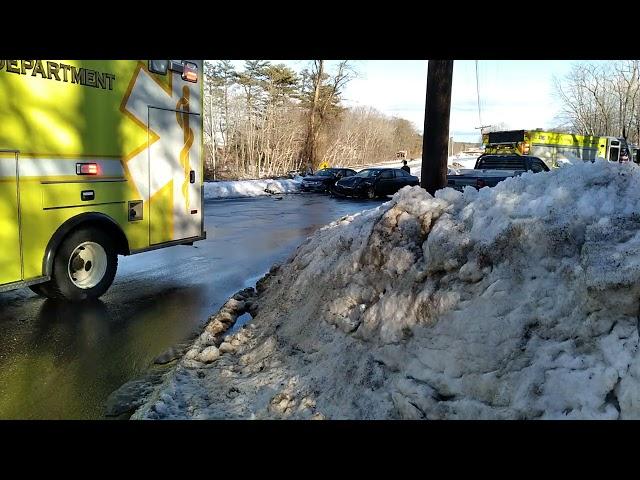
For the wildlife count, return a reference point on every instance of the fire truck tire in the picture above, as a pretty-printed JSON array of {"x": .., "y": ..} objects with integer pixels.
[{"x": 84, "y": 266}]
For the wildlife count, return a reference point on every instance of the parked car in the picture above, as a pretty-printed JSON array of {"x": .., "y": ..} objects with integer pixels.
[
  {"x": 492, "y": 169},
  {"x": 374, "y": 182},
  {"x": 324, "y": 179}
]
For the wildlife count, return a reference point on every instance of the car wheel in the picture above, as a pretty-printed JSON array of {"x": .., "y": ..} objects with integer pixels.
[
  {"x": 84, "y": 266},
  {"x": 371, "y": 193}
]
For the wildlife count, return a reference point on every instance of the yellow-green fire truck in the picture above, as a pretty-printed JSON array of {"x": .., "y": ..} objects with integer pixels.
[
  {"x": 554, "y": 147},
  {"x": 97, "y": 158}
]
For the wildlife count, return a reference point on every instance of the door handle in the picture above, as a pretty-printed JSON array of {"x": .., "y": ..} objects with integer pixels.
[
  {"x": 87, "y": 195},
  {"x": 192, "y": 176}
]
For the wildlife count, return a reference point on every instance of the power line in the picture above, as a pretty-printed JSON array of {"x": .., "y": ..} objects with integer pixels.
[{"x": 478, "y": 92}]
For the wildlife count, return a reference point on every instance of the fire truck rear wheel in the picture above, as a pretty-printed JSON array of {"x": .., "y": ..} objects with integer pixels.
[{"x": 84, "y": 266}]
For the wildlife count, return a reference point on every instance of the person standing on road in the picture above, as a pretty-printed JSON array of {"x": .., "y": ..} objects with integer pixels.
[
  {"x": 624, "y": 155},
  {"x": 405, "y": 167}
]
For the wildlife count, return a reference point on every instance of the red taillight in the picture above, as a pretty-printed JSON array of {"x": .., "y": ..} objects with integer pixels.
[
  {"x": 87, "y": 169},
  {"x": 190, "y": 77},
  {"x": 480, "y": 183},
  {"x": 190, "y": 72}
]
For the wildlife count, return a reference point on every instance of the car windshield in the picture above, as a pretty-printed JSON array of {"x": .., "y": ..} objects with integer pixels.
[
  {"x": 324, "y": 173},
  {"x": 368, "y": 173}
]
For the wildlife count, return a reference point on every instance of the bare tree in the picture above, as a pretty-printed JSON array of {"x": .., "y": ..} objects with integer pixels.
[
  {"x": 267, "y": 120},
  {"x": 601, "y": 99},
  {"x": 321, "y": 95}
]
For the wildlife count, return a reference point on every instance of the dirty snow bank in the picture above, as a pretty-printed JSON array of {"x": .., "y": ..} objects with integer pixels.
[
  {"x": 519, "y": 301},
  {"x": 250, "y": 188}
]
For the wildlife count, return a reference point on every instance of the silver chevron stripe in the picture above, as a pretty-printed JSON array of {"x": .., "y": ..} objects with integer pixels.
[{"x": 53, "y": 167}]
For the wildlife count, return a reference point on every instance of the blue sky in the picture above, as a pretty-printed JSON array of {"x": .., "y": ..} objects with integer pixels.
[{"x": 517, "y": 93}]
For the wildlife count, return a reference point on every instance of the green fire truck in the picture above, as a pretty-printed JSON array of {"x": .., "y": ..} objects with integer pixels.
[{"x": 555, "y": 148}]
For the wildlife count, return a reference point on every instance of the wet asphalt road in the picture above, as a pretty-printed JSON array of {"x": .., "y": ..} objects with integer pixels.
[{"x": 61, "y": 361}]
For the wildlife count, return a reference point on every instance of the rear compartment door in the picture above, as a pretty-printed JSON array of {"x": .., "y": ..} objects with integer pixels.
[
  {"x": 10, "y": 251},
  {"x": 614, "y": 151},
  {"x": 175, "y": 175}
]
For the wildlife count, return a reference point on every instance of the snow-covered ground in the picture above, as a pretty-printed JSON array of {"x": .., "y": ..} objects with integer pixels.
[
  {"x": 250, "y": 188},
  {"x": 462, "y": 161},
  {"x": 518, "y": 302}
]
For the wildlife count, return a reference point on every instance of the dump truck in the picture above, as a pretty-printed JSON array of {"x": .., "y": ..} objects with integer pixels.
[{"x": 98, "y": 158}]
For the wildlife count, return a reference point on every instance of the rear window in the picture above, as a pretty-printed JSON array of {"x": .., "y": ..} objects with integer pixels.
[
  {"x": 502, "y": 162},
  {"x": 368, "y": 173},
  {"x": 510, "y": 136}
]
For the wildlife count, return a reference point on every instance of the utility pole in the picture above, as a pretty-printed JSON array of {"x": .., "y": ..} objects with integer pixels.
[
  {"x": 481, "y": 128},
  {"x": 435, "y": 140}
]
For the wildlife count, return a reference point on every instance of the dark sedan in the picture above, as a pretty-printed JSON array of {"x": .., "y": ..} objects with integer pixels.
[
  {"x": 325, "y": 179},
  {"x": 374, "y": 182}
]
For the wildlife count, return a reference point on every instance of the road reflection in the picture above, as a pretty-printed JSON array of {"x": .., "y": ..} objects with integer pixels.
[{"x": 76, "y": 354}]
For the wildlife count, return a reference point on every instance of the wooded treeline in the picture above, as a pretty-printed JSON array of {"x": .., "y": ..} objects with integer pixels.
[
  {"x": 601, "y": 99},
  {"x": 265, "y": 120}
]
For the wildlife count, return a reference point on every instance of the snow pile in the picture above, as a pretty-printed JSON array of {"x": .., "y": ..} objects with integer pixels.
[
  {"x": 564, "y": 162},
  {"x": 250, "y": 188},
  {"x": 519, "y": 301}
]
